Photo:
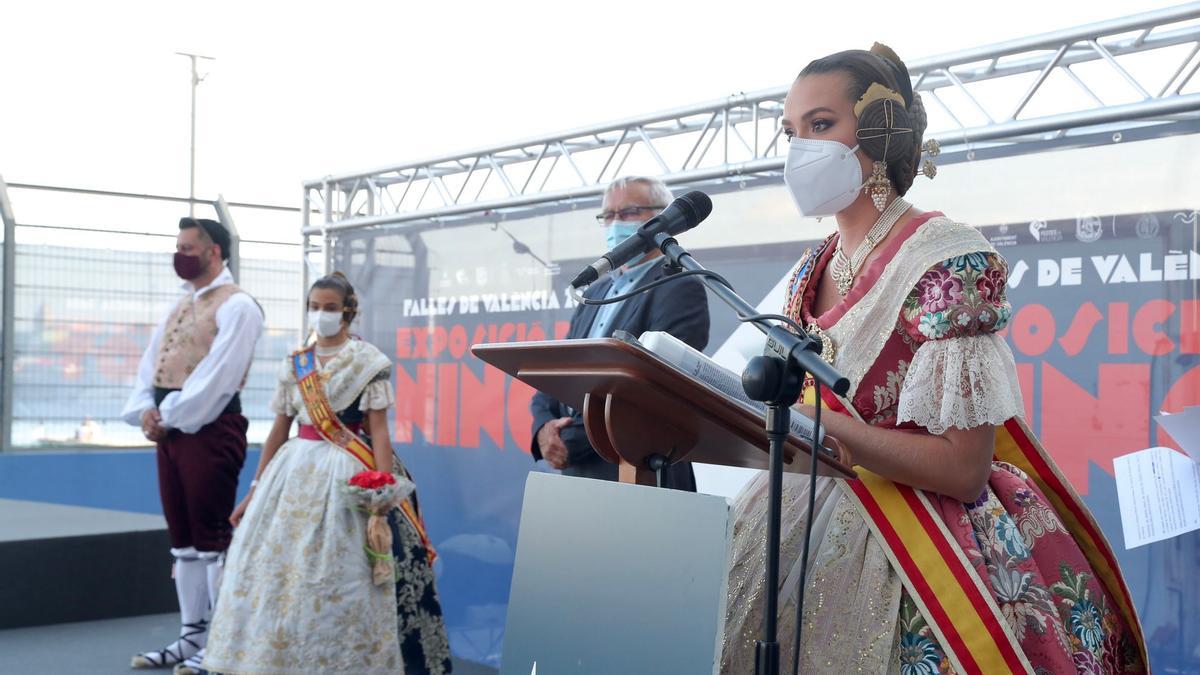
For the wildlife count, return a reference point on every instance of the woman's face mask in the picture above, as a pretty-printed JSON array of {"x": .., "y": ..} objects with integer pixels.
[
  {"x": 823, "y": 177},
  {"x": 327, "y": 324}
]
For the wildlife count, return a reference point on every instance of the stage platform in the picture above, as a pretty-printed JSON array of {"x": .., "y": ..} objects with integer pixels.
[
  {"x": 87, "y": 588},
  {"x": 104, "y": 647},
  {"x": 25, "y": 520},
  {"x": 70, "y": 563}
]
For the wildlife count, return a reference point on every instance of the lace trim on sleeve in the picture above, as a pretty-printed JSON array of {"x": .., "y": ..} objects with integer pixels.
[
  {"x": 962, "y": 382},
  {"x": 378, "y": 395},
  {"x": 281, "y": 402}
]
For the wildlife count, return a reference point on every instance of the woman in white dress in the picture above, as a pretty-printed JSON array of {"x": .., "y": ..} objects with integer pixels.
[{"x": 297, "y": 594}]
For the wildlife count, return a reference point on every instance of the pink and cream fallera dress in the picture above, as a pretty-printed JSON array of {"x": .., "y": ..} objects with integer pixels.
[{"x": 916, "y": 336}]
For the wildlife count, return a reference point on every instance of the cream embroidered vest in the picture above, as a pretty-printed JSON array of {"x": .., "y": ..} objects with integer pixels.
[{"x": 188, "y": 336}]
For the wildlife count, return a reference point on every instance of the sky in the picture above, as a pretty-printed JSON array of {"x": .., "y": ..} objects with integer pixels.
[{"x": 94, "y": 96}]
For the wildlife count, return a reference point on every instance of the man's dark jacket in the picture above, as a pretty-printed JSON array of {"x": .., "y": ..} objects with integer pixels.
[{"x": 678, "y": 307}]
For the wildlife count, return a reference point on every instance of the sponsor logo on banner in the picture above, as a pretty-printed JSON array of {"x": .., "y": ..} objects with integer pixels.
[
  {"x": 1088, "y": 229},
  {"x": 1147, "y": 226},
  {"x": 1043, "y": 233},
  {"x": 1003, "y": 237}
]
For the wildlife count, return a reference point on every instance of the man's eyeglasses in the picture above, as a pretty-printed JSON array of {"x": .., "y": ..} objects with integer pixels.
[{"x": 627, "y": 213}]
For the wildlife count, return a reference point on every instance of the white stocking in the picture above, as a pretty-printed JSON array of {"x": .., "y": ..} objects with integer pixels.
[
  {"x": 214, "y": 566},
  {"x": 191, "y": 587},
  {"x": 213, "y": 571}
]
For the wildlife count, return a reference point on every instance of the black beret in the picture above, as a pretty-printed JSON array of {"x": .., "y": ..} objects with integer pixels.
[{"x": 216, "y": 231}]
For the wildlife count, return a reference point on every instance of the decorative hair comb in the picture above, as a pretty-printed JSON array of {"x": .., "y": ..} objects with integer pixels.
[{"x": 931, "y": 148}]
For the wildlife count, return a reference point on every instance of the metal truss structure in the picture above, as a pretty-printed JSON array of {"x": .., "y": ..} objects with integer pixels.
[{"x": 1070, "y": 84}]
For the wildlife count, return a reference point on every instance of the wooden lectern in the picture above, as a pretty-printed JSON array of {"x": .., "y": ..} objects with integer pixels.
[{"x": 636, "y": 405}]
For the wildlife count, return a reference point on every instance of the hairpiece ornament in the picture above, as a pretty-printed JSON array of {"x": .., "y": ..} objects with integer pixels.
[
  {"x": 874, "y": 93},
  {"x": 878, "y": 185},
  {"x": 889, "y": 128},
  {"x": 931, "y": 148},
  {"x": 893, "y": 60}
]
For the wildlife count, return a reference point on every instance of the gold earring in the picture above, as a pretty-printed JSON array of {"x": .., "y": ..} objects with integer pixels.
[{"x": 878, "y": 185}]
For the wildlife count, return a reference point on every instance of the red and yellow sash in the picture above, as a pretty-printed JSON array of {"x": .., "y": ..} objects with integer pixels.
[
  {"x": 330, "y": 427},
  {"x": 959, "y": 608},
  {"x": 1017, "y": 445}
]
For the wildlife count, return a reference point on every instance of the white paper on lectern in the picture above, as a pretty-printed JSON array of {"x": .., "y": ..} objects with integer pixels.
[
  {"x": 1159, "y": 495},
  {"x": 681, "y": 355},
  {"x": 745, "y": 342},
  {"x": 1184, "y": 428}
]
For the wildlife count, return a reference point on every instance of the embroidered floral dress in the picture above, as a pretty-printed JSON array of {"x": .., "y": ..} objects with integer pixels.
[
  {"x": 916, "y": 336},
  {"x": 296, "y": 595}
]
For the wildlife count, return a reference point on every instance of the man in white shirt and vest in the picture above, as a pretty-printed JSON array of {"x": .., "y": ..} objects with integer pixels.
[{"x": 187, "y": 401}]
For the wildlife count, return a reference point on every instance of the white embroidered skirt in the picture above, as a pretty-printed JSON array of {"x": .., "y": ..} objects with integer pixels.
[{"x": 296, "y": 594}]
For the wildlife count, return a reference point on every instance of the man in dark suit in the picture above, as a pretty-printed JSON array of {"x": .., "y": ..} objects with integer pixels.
[{"x": 679, "y": 308}]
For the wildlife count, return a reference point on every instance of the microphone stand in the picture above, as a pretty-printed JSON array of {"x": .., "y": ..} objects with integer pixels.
[{"x": 777, "y": 379}]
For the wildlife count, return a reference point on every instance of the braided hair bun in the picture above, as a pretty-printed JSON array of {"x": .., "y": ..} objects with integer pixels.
[
  {"x": 890, "y": 130},
  {"x": 886, "y": 131}
]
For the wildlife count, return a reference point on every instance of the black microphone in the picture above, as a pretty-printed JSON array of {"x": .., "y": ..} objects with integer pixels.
[{"x": 682, "y": 215}]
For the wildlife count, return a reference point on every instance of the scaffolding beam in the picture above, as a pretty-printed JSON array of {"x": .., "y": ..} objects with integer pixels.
[{"x": 680, "y": 145}]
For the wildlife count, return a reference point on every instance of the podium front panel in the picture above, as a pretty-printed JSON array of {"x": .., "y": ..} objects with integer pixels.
[{"x": 614, "y": 578}]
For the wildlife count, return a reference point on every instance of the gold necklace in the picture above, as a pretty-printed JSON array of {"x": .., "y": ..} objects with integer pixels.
[{"x": 844, "y": 269}]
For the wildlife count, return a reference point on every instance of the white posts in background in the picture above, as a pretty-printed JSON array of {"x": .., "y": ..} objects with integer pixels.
[
  {"x": 196, "y": 80},
  {"x": 235, "y": 240},
  {"x": 8, "y": 330}
]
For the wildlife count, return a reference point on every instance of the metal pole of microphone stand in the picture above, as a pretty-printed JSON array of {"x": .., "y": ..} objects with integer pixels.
[
  {"x": 777, "y": 426},
  {"x": 766, "y": 653}
]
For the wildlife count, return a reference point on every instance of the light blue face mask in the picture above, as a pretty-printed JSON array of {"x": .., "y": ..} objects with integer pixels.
[{"x": 618, "y": 231}]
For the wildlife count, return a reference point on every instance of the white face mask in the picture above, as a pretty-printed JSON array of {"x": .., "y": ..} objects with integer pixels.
[
  {"x": 327, "y": 324},
  {"x": 824, "y": 177}
]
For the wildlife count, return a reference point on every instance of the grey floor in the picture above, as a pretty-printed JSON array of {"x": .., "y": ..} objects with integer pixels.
[
  {"x": 20, "y": 520},
  {"x": 103, "y": 647}
]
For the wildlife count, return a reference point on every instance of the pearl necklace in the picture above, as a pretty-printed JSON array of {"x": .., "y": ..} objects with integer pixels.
[{"x": 845, "y": 269}]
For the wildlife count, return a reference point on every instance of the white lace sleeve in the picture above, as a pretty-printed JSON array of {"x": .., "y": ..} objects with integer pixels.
[
  {"x": 281, "y": 402},
  {"x": 961, "y": 382},
  {"x": 378, "y": 395}
]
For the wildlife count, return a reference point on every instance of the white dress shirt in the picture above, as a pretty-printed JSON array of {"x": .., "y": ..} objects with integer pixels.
[{"x": 216, "y": 378}]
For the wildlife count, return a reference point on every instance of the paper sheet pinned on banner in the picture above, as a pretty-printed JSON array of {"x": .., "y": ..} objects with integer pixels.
[
  {"x": 1184, "y": 428},
  {"x": 1159, "y": 494}
]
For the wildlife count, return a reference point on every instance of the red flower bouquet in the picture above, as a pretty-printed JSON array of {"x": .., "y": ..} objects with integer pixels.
[
  {"x": 376, "y": 493},
  {"x": 372, "y": 480}
]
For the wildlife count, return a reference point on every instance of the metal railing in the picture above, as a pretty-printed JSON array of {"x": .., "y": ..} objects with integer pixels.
[
  {"x": 739, "y": 138},
  {"x": 77, "y": 317}
]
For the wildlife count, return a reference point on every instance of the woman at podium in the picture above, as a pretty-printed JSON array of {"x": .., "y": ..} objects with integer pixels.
[{"x": 960, "y": 547}]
